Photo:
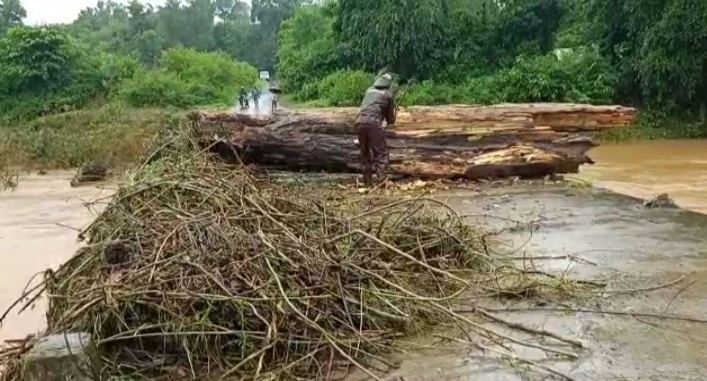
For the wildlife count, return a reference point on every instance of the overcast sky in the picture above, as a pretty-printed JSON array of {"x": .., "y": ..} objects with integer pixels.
[{"x": 60, "y": 11}]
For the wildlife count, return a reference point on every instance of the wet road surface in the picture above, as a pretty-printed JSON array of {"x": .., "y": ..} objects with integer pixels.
[{"x": 629, "y": 247}]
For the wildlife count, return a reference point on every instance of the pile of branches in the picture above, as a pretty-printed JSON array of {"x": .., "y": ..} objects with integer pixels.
[{"x": 200, "y": 268}]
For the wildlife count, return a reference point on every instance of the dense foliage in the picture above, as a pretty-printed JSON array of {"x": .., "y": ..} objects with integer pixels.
[
  {"x": 652, "y": 54},
  {"x": 180, "y": 54}
]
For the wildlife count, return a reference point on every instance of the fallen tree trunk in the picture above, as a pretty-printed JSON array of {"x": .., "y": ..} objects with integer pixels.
[
  {"x": 419, "y": 121},
  {"x": 293, "y": 149},
  {"x": 541, "y": 137}
]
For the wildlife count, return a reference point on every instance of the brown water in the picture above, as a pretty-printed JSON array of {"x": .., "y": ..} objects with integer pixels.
[
  {"x": 676, "y": 167},
  {"x": 38, "y": 223}
]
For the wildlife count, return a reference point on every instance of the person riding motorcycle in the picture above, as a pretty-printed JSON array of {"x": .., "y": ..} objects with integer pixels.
[{"x": 243, "y": 98}]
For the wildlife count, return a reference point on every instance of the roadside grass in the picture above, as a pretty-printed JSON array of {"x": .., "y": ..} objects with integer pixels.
[
  {"x": 112, "y": 134},
  {"x": 289, "y": 101}
]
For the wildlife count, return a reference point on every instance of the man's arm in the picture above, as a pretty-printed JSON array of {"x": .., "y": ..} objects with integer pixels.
[{"x": 390, "y": 112}]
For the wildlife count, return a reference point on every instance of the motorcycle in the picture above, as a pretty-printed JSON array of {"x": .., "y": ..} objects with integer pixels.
[{"x": 244, "y": 103}]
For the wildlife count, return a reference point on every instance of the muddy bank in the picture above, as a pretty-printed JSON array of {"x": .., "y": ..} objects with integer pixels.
[{"x": 616, "y": 240}]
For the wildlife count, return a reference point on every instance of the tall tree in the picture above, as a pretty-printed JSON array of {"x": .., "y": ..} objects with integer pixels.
[
  {"x": 403, "y": 35},
  {"x": 658, "y": 48},
  {"x": 199, "y": 23},
  {"x": 267, "y": 15},
  {"x": 233, "y": 37},
  {"x": 231, "y": 9},
  {"x": 11, "y": 14}
]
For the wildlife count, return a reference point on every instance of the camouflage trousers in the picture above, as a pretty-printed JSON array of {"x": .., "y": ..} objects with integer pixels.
[{"x": 374, "y": 152}]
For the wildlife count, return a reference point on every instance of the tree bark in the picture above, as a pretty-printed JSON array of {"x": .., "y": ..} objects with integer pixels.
[
  {"x": 292, "y": 149},
  {"x": 418, "y": 121}
]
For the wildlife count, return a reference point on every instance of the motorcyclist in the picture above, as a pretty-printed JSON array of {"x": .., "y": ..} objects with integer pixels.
[{"x": 243, "y": 97}]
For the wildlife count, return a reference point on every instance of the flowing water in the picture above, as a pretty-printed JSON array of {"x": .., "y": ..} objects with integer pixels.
[
  {"x": 646, "y": 169},
  {"x": 38, "y": 221},
  {"x": 38, "y": 230}
]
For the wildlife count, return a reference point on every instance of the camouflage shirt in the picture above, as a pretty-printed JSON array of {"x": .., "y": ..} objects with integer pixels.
[{"x": 377, "y": 105}]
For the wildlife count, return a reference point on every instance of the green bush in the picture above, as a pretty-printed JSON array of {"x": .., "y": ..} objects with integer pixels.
[
  {"x": 345, "y": 87},
  {"x": 61, "y": 75},
  {"x": 188, "y": 78},
  {"x": 432, "y": 93},
  {"x": 579, "y": 76},
  {"x": 118, "y": 68},
  {"x": 216, "y": 69},
  {"x": 158, "y": 88},
  {"x": 341, "y": 88},
  {"x": 111, "y": 134}
]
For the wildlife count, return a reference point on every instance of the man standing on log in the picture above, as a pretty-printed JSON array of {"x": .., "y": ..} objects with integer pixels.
[{"x": 378, "y": 105}]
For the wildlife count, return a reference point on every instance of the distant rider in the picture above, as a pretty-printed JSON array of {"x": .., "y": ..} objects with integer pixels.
[
  {"x": 256, "y": 96},
  {"x": 275, "y": 98},
  {"x": 243, "y": 97}
]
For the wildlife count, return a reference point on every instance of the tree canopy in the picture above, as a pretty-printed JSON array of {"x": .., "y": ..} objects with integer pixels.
[{"x": 647, "y": 53}]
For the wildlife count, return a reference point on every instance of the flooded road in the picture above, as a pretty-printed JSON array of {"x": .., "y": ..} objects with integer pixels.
[
  {"x": 676, "y": 167},
  {"x": 606, "y": 237},
  {"x": 38, "y": 223}
]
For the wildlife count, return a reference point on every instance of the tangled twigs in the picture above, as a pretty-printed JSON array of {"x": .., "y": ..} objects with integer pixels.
[{"x": 200, "y": 266}]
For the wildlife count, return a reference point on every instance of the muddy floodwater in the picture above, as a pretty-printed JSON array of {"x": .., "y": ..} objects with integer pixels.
[
  {"x": 676, "y": 167},
  {"x": 618, "y": 240},
  {"x": 38, "y": 222}
]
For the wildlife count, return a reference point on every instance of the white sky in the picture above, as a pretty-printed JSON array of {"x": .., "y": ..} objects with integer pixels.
[{"x": 60, "y": 11}]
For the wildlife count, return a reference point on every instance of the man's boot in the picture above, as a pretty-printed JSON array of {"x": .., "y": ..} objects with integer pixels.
[
  {"x": 381, "y": 176},
  {"x": 367, "y": 179}
]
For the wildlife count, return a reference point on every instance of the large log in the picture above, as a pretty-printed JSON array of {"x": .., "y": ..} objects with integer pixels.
[
  {"x": 419, "y": 121},
  {"x": 292, "y": 149},
  {"x": 478, "y": 140}
]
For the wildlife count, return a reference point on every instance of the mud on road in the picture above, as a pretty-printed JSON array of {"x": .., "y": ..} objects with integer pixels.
[{"x": 614, "y": 239}]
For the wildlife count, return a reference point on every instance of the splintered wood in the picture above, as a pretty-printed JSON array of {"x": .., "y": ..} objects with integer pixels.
[{"x": 454, "y": 141}]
